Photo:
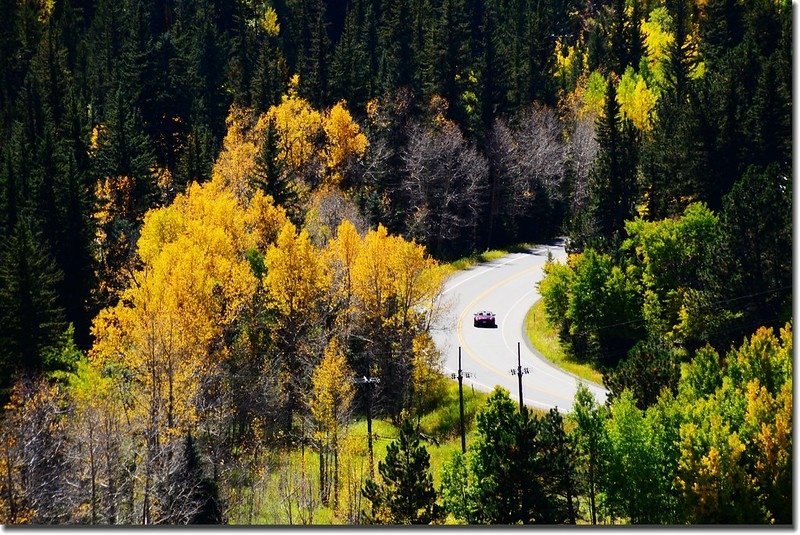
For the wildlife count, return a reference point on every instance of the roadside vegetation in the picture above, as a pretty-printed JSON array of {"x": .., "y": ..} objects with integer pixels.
[
  {"x": 479, "y": 258},
  {"x": 282, "y": 488},
  {"x": 224, "y": 229},
  {"x": 544, "y": 337}
]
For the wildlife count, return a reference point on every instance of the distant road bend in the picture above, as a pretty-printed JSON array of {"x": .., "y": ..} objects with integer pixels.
[{"x": 507, "y": 287}]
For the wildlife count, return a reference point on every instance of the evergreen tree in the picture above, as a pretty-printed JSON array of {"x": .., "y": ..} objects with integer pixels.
[
  {"x": 313, "y": 52},
  {"x": 395, "y": 42},
  {"x": 124, "y": 150},
  {"x": 270, "y": 174},
  {"x": 612, "y": 181},
  {"x": 450, "y": 49},
  {"x": 720, "y": 30},
  {"x": 406, "y": 494},
  {"x": 520, "y": 468},
  {"x": 676, "y": 157},
  {"x": 650, "y": 367},
  {"x": 754, "y": 264},
  {"x": 351, "y": 67},
  {"x": 29, "y": 312}
]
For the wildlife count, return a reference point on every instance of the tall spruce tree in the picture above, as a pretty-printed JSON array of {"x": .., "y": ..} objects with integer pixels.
[
  {"x": 519, "y": 471},
  {"x": 313, "y": 50},
  {"x": 612, "y": 181},
  {"x": 396, "y": 47},
  {"x": 351, "y": 69},
  {"x": 29, "y": 312},
  {"x": 405, "y": 494},
  {"x": 675, "y": 157}
]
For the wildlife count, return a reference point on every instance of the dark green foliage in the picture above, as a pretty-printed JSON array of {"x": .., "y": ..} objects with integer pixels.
[
  {"x": 395, "y": 62},
  {"x": 650, "y": 367},
  {"x": 753, "y": 272},
  {"x": 520, "y": 470},
  {"x": 30, "y": 315},
  {"x": 627, "y": 42},
  {"x": 612, "y": 181},
  {"x": 124, "y": 150},
  {"x": 352, "y": 70},
  {"x": 405, "y": 494},
  {"x": 313, "y": 50},
  {"x": 271, "y": 177}
]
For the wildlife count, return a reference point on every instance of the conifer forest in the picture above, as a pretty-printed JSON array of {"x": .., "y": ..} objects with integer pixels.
[{"x": 215, "y": 214}]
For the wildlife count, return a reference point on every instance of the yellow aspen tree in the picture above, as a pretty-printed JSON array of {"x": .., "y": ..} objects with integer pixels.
[
  {"x": 735, "y": 447},
  {"x": 345, "y": 142},
  {"x": 372, "y": 284},
  {"x": 194, "y": 281},
  {"x": 593, "y": 95},
  {"x": 331, "y": 397},
  {"x": 237, "y": 160},
  {"x": 658, "y": 41},
  {"x": 264, "y": 219},
  {"x": 269, "y": 22},
  {"x": 429, "y": 382},
  {"x": 297, "y": 276},
  {"x": 195, "y": 278},
  {"x": 636, "y": 100},
  {"x": 416, "y": 279},
  {"x": 393, "y": 281},
  {"x": 297, "y": 281},
  {"x": 297, "y": 124},
  {"x": 341, "y": 254}
]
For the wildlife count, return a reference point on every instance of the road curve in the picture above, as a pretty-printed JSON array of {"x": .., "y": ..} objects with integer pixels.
[{"x": 507, "y": 287}]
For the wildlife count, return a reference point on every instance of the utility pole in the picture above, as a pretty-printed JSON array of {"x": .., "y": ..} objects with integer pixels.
[
  {"x": 369, "y": 381},
  {"x": 519, "y": 372},
  {"x": 460, "y": 376}
]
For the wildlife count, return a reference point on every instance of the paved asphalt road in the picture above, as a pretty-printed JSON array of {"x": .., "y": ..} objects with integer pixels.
[{"x": 507, "y": 287}]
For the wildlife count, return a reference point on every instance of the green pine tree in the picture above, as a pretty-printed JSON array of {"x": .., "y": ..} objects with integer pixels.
[
  {"x": 29, "y": 312},
  {"x": 405, "y": 494},
  {"x": 612, "y": 180}
]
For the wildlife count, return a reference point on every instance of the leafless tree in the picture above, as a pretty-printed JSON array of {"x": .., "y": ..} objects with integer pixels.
[
  {"x": 529, "y": 160},
  {"x": 299, "y": 493},
  {"x": 37, "y": 483},
  {"x": 445, "y": 185},
  {"x": 328, "y": 208},
  {"x": 582, "y": 150}
]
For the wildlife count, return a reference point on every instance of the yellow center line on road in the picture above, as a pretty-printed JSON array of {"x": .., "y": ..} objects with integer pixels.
[{"x": 470, "y": 306}]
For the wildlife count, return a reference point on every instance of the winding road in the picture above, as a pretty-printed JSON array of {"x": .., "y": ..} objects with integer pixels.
[{"x": 507, "y": 287}]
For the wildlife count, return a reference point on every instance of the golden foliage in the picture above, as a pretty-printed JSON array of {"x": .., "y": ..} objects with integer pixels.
[
  {"x": 296, "y": 277},
  {"x": 342, "y": 253},
  {"x": 658, "y": 40},
  {"x": 237, "y": 160},
  {"x": 269, "y": 22},
  {"x": 194, "y": 281},
  {"x": 392, "y": 271},
  {"x": 636, "y": 100},
  {"x": 345, "y": 141},
  {"x": 297, "y": 125},
  {"x": 333, "y": 390}
]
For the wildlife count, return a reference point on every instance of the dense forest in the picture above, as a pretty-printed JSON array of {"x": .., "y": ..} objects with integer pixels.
[{"x": 214, "y": 214}]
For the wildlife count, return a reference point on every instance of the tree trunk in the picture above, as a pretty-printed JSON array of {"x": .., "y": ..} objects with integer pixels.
[{"x": 591, "y": 490}]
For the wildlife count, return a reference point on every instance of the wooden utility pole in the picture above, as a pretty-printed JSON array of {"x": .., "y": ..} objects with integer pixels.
[
  {"x": 460, "y": 376},
  {"x": 519, "y": 372},
  {"x": 369, "y": 381}
]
